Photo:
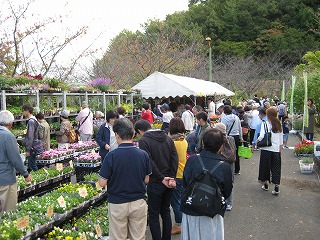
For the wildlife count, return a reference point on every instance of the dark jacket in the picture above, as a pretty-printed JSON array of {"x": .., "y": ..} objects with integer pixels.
[
  {"x": 223, "y": 174},
  {"x": 32, "y": 133},
  {"x": 103, "y": 138},
  {"x": 162, "y": 152}
]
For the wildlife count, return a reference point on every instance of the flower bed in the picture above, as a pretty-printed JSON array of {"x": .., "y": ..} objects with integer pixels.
[
  {"x": 87, "y": 225},
  {"x": 54, "y": 155},
  {"x": 42, "y": 213},
  {"x": 304, "y": 147},
  {"x": 43, "y": 177},
  {"x": 84, "y": 146},
  {"x": 88, "y": 160},
  {"x": 91, "y": 177}
]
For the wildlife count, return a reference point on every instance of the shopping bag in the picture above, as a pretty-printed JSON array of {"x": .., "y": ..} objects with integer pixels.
[{"x": 244, "y": 152}]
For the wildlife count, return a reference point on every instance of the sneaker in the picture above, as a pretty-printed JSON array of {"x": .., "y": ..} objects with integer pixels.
[
  {"x": 276, "y": 193},
  {"x": 276, "y": 190},
  {"x": 175, "y": 230},
  {"x": 265, "y": 187},
  {"x": 229, "y": 207},
  {"x": 237, "y": 173}
]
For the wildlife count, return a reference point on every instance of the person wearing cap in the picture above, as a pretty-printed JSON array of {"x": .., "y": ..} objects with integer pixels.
[
  {"x": 220, "y": 110},
  {"x": 10, "y": 161},
  {"x": 282, "y": 111},
  {"x": 97, "y": 121},
  {"x": 85, "y": 121},
  {"x": 166, "y": 117},
  {"x": 44, "y": 131},
  {"x": 65, "y": 126}
]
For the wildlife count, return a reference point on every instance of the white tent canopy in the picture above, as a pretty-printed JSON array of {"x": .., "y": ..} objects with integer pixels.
[{"x": 165, "y": 85}]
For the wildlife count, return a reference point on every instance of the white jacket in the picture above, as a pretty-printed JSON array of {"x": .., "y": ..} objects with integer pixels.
[{"x": 188, "y": 120}]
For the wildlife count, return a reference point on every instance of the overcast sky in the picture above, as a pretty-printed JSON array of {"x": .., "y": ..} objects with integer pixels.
[{"x": 101, "y": 16}]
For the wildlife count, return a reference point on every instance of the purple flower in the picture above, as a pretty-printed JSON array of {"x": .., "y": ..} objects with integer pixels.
[{"x": 100, "y": 81}]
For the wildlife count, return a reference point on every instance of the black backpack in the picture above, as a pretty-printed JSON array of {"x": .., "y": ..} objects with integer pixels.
[{"x": 203, "y": 194}]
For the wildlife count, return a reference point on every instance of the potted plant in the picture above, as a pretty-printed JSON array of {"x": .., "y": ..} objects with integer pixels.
[
  {"x": 304, "y": 148},
  {"x": 306, "y": 164}
]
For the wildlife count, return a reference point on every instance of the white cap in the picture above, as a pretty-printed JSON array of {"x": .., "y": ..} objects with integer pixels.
[{"x": 219, "y": 105}]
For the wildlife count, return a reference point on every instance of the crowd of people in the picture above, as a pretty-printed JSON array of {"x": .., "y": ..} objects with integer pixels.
[{"x": 166, "y": 161}]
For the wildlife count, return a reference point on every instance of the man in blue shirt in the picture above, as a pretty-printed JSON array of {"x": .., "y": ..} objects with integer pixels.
[
  {"x": 10, "y": 161},
  {"x": 126, "y": 171},
  {"x": 263, "y": 117}
]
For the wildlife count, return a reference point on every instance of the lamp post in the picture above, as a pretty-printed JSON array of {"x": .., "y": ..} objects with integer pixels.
[{"x": 208, "y": 39}]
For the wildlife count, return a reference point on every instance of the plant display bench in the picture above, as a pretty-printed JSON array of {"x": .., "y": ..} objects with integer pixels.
[
  {"x": 37, "y": 216},
  {"x": 43, "y": 182}
]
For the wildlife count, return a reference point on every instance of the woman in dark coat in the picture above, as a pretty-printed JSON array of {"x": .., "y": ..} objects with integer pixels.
[
  {"x": 309, "y": 131},
  {"x": 106, "y": 137},
  {"x": 194, "y": 225}
]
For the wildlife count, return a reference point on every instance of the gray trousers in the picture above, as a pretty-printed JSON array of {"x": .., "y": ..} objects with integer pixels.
[{"x": 85, "y": 137}]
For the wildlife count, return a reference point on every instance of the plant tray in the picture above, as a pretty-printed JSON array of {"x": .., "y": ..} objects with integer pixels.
[
  {"x": 88, "y": 165},
  {"x": 306, "y": 167},
  {"x": 47, "y": 161},
  {"x": 305, "y": 155}
]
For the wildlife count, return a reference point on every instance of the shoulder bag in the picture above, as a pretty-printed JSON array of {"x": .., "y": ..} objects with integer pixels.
[{"x": 266, "y": 141}]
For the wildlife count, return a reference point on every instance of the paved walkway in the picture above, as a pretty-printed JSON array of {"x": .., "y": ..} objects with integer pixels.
[{"x": 257, "y": 214}]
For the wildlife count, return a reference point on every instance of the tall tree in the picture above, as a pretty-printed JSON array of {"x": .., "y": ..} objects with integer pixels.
[
  {"x": 26, "y": 49},
  {"x": 162, "y": 47}
]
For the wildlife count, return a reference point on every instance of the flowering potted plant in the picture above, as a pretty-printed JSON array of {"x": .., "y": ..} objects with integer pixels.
[
  {"x": 100, "y": 83},
  {"x": 304, "y": 148}
]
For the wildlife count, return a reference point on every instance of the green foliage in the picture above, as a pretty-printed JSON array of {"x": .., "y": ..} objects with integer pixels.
[
  {"x": 313, "y": 91},
  {"x": 228, "y": 48},
  {"x": 53, "y": 82},
  {"x": 5, "y": 82},
  {"x": 311, "y": 62},
  {"x": 298, "y": 124},
  {"x": 272, "y": 27},
  {"x": 53, "y": 143},
  {"x": 127, "y": 107},
  {"x": 92, "y": 177},
  {"x": 15, "y": 109}
]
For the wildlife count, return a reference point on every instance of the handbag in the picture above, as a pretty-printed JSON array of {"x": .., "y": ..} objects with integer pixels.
[
  {"x": 266, "y": 141},
  {"x": 244, "y": 152},
  {"x": 37, "y": 147},
  {"x": 229, "y": 150}
]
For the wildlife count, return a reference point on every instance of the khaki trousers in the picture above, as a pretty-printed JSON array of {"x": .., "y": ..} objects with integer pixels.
[
  {"x": 8, "y": 197},
  {"x": 128, "y": 220}
]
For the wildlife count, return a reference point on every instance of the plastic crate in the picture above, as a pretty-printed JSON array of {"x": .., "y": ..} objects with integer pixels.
[{"x": 306, "y": 167}]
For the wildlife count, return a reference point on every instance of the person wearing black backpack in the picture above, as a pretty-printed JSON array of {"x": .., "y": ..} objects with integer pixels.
[{"x": 196, "y": 224}]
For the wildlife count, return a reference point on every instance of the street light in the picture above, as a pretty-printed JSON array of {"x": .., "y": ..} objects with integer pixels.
[{"x": 208, "y": 39}]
